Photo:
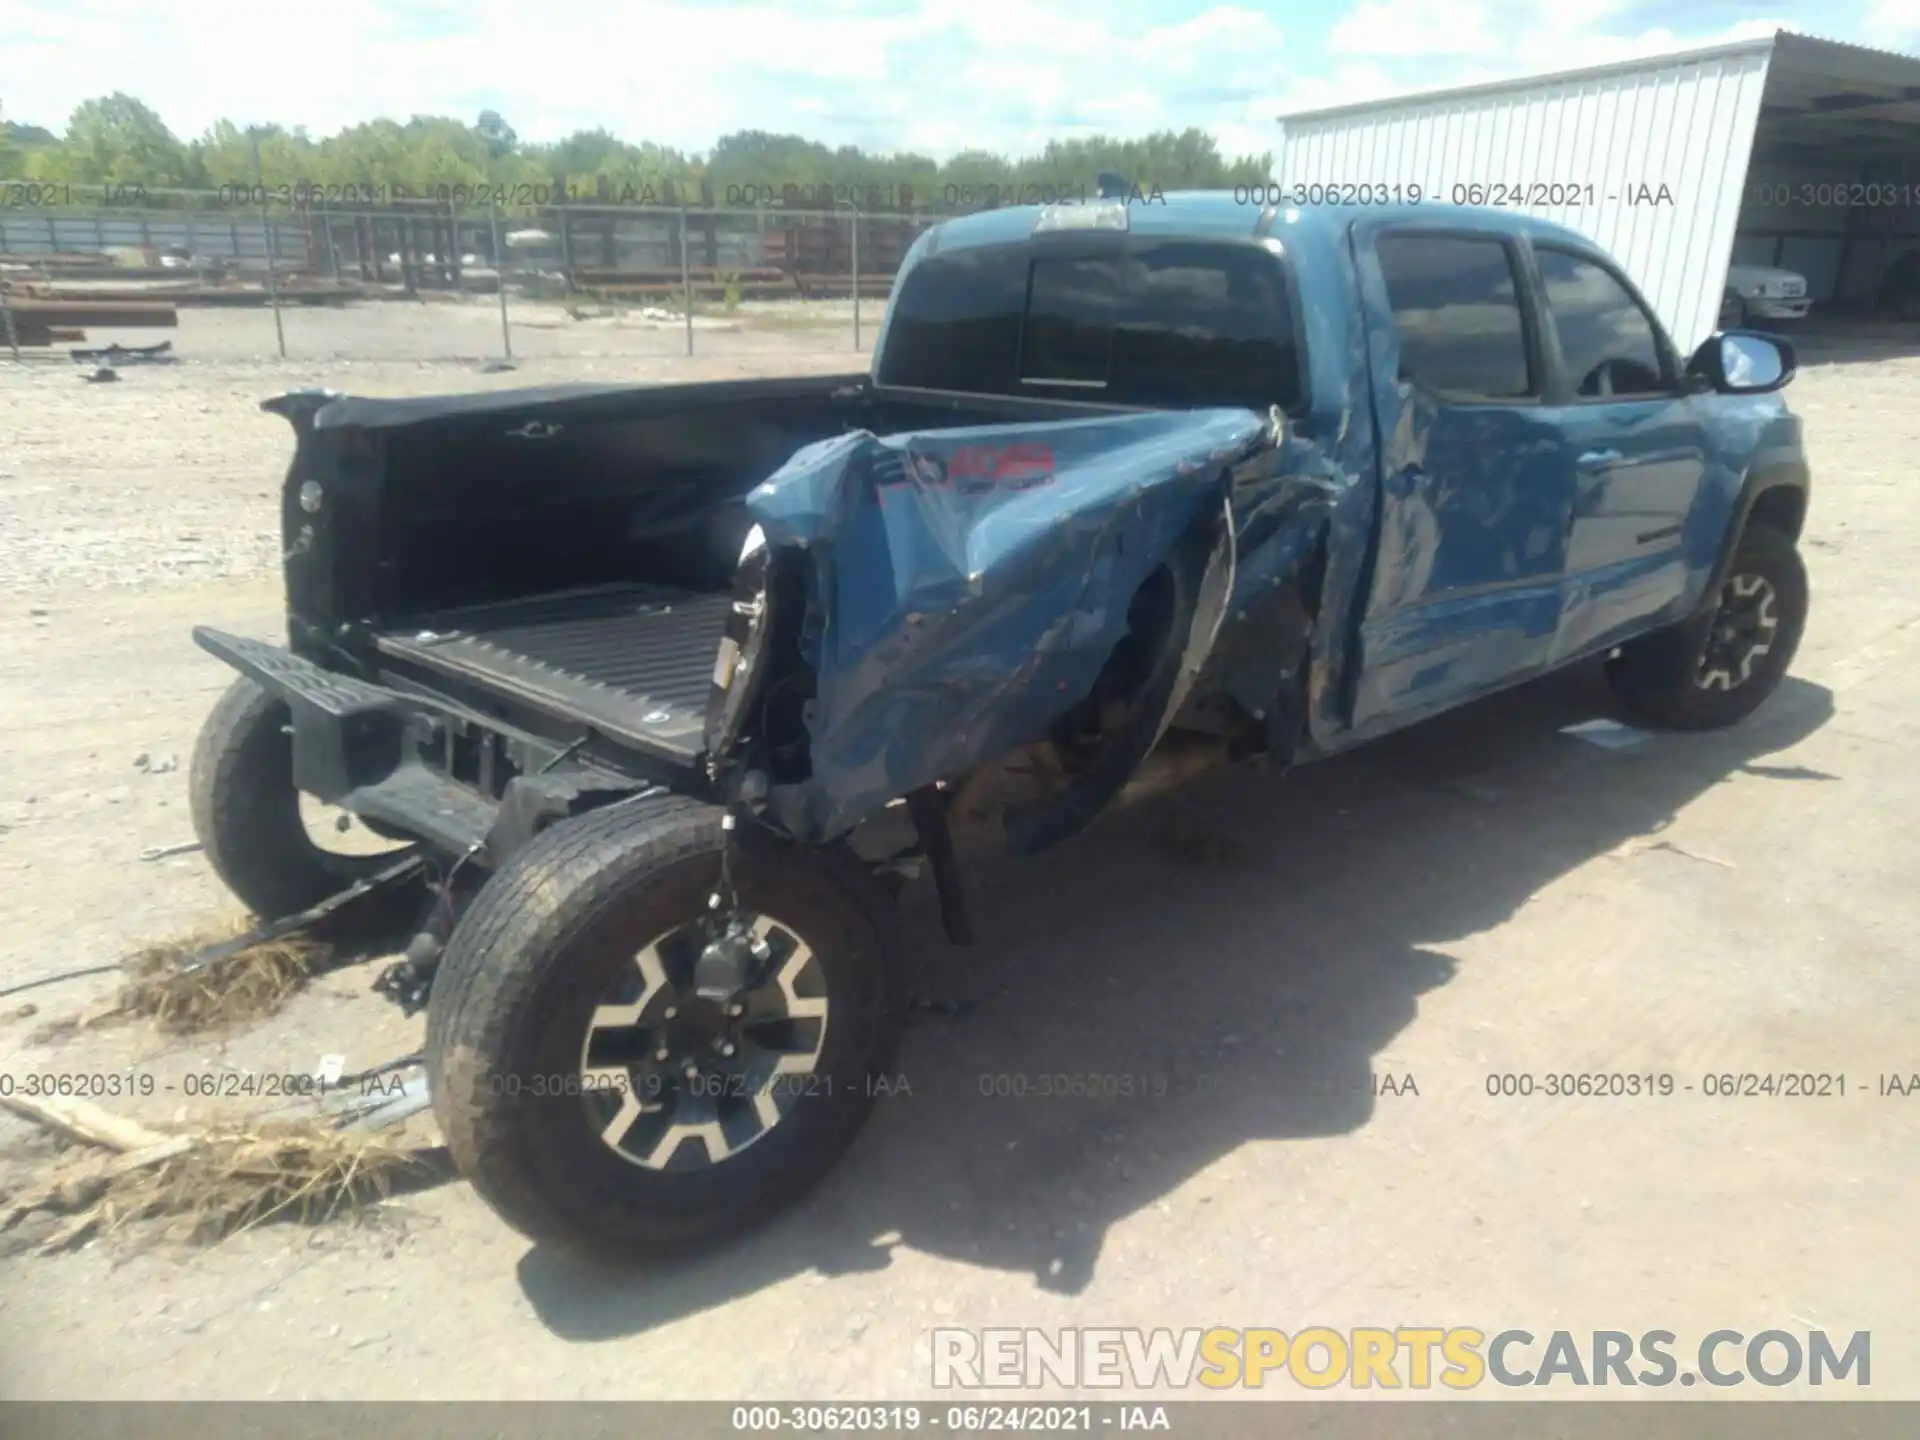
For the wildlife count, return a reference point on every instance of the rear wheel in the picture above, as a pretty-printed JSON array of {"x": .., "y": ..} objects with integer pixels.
[
  {"x": 247, "y": 817},
  {"x": 1719, "y": 667},
  {"x": 618, "y": 1075}
]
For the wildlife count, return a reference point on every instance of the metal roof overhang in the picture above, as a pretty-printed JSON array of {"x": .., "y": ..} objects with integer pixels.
[{"x": 1821, "y": 95}]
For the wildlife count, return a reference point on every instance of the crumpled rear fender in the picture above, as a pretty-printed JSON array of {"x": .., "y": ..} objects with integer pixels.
[{"x": 965, "y": 587}]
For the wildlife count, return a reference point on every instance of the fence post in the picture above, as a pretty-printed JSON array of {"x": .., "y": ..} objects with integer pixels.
[
  {"x": 6, "y": 318},
  {"x": 266, "y": 226},
  {"x": 333, "y": 248},
  {"x": 451, "y": 257},
  {"x": 686, "y": 279},
  {"x": 856, "y": 276},
  {"x": 500, "y": 272}
]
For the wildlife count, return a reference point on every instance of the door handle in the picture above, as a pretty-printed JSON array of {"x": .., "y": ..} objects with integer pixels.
[{"x": 1599, "y": 459}]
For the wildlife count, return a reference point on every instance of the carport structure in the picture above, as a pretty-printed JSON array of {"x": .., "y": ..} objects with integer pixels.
[
  {"x": 1785, "y": 150},
  {"x": 1833, "y": 185}
]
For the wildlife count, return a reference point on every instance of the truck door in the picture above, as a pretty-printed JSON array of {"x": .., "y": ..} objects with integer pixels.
[
  {"x": 1639, "y": 449},
  {"x": 1476, "y": 484}
]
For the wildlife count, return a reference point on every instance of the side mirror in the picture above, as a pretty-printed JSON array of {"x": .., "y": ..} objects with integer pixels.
[{"x": 1743, "y": 362}]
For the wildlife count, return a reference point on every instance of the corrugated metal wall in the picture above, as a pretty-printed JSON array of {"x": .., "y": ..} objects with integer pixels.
[
  {"x": 1685, "y": 124},
  {"x": 46, "y": 232}
]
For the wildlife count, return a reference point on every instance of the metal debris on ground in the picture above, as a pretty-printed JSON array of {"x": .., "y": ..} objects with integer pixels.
[
  {"x": 58, "y": 976},
  {"x": 1607, "y": 734},
  {"x": 1641, "y": 844},
  {"x": 203, "y": 1185},
  {"x": 117, "y": 354},
  {"x": 167, "y": 852},
  {"x": 380, "y": 1106}
]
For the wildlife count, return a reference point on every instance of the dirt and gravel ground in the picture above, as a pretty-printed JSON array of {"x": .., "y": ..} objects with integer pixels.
[{"x": 1478, "y": 896}]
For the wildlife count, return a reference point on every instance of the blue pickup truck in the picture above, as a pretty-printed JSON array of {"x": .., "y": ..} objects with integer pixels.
[{"x": 661, "y": 694}]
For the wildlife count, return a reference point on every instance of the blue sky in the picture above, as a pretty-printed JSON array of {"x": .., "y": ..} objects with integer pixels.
[{"x": 930, "y": 75}]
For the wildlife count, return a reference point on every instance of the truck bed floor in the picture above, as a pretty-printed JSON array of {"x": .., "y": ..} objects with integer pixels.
[{"x": 634, "y": 660}]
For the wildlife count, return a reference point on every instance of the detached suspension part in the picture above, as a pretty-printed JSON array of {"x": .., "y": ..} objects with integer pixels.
[
  {"x": 409, "y": 980},
  {"x": 928, "y": 809}
]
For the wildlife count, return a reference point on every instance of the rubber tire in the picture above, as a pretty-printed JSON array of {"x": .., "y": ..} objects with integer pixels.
[
  {"x": 1653, "y": 676},
  {"x": 1733, "y": 312},
  {"x": 246, "y": 814},
  {"x": 529, "y": 961}
]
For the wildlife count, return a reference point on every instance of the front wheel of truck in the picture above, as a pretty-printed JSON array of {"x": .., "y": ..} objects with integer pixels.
[
  {"x": 1720, "y": 666},
  {"x": 623, "y": 1070}
]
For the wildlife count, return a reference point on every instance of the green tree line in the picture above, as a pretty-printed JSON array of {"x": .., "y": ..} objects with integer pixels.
[{"x": 116, "y": 140}]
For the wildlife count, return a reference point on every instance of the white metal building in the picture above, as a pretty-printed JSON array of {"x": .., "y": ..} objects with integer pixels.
[{"x": 1786, "y": 150}]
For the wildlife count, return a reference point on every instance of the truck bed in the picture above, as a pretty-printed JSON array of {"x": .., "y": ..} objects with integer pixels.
[{"x": 633, "y": 660}]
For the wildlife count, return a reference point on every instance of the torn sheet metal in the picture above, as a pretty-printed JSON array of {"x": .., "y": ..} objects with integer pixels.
[
  {"x": 968, "y": 585},
  {"x": 1607, "y": 734},
  {"x": 378, "y": 1103}
]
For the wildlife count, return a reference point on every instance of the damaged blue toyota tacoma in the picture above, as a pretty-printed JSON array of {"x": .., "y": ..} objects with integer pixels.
[{"x": 662, "y": 692}]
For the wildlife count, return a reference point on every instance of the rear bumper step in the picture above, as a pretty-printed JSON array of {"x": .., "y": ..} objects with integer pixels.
[
  {"x": 300, "y": 682},
  {"x": 353, "y": 746},
  {"x": 372, "y": 751}
]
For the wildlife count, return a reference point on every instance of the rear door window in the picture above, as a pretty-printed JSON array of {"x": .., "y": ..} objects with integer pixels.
[
  {"x": 1164, "y": 323},
  {"x": 1456, "y": 305}
]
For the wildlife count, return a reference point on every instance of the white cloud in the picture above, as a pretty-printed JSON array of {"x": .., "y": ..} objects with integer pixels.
[
  {"x": 931, "y": 75},
  {"x": 1476, "y": 41},
  {"x": 936, "y": 75},
  {"x": 1417, "y": 27},
  {"x": 1894, "y": 25}
]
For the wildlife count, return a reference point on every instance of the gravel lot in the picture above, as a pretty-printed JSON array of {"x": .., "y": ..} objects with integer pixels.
[{"x": 1481, "y": 894}]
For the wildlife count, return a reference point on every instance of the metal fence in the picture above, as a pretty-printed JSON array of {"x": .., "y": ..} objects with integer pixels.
[{"x": 426, "y": 282}]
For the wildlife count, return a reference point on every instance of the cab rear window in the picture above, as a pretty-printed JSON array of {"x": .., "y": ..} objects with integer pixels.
[{"x": 1167, "y": 323}]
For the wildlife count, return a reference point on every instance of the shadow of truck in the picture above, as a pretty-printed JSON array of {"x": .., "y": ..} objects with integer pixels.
[{"x": 1247, "y": 995}]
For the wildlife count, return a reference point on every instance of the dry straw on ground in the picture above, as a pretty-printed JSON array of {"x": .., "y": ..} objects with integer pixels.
[
  {"x": 247, "y": 985},
  {"x": 229, "y": 1180},
  {"x": 207, "y": 1185}
]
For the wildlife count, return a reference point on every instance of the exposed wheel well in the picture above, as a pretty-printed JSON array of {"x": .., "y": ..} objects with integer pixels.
[{"x": 1782, "y": 508}]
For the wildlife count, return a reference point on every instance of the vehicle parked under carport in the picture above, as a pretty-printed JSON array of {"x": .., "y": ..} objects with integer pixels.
[{"x": 1763, "y": 292}]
